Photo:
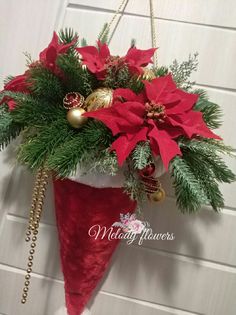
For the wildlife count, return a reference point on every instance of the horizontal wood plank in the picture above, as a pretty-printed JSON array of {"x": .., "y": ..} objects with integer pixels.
[{"x": 215, "y": 13}]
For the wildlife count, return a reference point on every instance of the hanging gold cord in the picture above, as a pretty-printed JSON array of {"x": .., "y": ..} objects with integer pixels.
[
  {"x": 35, "y": 213},
  {"x": 153, "y": 32},
  {"x": 118, "y": 11}
]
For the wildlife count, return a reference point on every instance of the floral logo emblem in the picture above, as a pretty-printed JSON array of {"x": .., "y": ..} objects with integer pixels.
[{"x": 130, "y": 224}]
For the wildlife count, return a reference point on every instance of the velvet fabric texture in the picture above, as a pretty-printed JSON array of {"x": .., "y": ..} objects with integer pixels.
[{"x": 84, "y": 259}]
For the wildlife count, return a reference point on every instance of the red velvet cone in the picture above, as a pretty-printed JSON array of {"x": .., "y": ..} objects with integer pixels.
[{"x": 84, "y": 258}]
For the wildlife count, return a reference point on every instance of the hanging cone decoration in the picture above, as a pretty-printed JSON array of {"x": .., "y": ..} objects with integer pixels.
[{"x": 84, "y": 258}]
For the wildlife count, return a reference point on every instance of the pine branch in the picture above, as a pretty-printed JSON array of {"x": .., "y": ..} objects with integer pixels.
[
  {"x": 206, "y": 179},
  {"x": 83, "y": 42},
  {"x": 31, "y": 111},
  {"x": 141, "y": 155},
  {"x": 90, "y": 140},
  {"x": 35, "y": 151},
  {"x": 103, "y": 35},
  {"x": 67, "y": 35},
  {"x": 211, "y": 111},
  {"x": 76, "y": 77},
  {"x": 161, "y": 71},
  {"x": 190, "y": 194},
  {"x": 208, "y": 154},
  {"x": 45, "y": 85},
  {"x": 8, "y": 128}
]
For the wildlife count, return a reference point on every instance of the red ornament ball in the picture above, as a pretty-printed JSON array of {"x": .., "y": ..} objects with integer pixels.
[
  {"x": 148, "y": 170},
  {"x": 73, "y": 100}
]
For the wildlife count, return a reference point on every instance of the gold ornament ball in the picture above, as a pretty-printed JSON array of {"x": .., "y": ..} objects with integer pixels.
[
  {"x": 75, "y": 118},
  {"x": 100, "y": 98},
  {"x": 148, "y": 74},
  {"x": 157, "y": 196}
]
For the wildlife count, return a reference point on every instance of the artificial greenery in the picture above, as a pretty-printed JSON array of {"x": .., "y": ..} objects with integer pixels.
[{"x": 48, "y": 140}]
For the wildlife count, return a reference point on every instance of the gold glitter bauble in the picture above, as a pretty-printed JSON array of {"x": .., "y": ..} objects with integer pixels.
[
  {"x": 100, "y": 98},
  {"x": 157, "y": 196},
  {"x": 148, "y": 74},
  {"x": 75, "y": 118}
]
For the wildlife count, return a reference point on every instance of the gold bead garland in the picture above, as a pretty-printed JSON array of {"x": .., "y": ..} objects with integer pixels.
[{"x": 34, "y": 219}]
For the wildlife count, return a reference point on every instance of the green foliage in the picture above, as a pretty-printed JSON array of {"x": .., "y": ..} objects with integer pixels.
[
  {"x": 133, "y": 43},
  {"x": 182, "y": 71},
  {"x": 35, "y": 151},
  {"x": 208, "y": 155},
  {"x": 83, "y": 42},
  {"x": 211, "y": 112},
  {"x": 67, "y": 35},
  {"x": 45, "y": 85},
  {"x": 161, "y": 71},
  {"x": 31, "y": 111},
  {"x": 141, "y": 155},
  {"x": 93, "y": 137},
  {"x": 76, "y": 77},
  {"x": 103, "y": 35},
  {"x": 197, "y": 173},
  {"x": 8, "y": 128},
  {"x": 189, "y": 193}
]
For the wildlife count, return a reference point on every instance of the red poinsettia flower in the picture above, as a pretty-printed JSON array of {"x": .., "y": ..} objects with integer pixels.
[
  {"x": 17, "y": 84},
  {"x": 160, "y": 116},
  {"x": 99, "y": 59},
  {"x": 49, "y": 55}
]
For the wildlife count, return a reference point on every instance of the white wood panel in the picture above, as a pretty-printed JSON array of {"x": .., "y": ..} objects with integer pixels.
[
  {"x": 45, "y": 296},
  {"x": 176, "y": 40},
  {"x": 105, "y": 302},
  {"x": 211, "y": 12},
  {"x": 168, "y": 281},
  {"x": 24, "y": 26}
]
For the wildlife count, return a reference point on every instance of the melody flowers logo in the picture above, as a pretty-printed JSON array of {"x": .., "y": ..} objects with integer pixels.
[{"x": 129, "y": 228}]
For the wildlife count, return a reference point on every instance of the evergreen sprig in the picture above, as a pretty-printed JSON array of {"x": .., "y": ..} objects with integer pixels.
[
  {"x": 9, "y": 129},
  {"x": 142, "y": 155},
  {"x": 211, "y": 112},
  {"x": 93, "y": 137},
  {"x": 189, "y": 193},
  {"x": 76, "y": 77}
]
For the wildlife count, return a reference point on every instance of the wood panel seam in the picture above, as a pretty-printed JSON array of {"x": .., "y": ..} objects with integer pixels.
[{"x": 78, "y": 7}]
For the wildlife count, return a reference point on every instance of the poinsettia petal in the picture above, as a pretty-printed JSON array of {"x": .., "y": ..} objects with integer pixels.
[
  {"x": 91, "y": 58},
  {"x": 104, "y": 51},
  {"x": 135, "y": 70},
  {"x": 186, "y": 102},
  {"x": 168, "y": 148},
  {"x": 132, "y": 112},
  {"x": 63, "y": 48},
  {"x": 192, "y": 124},
  {"x": 51, "y": 56},
  {"x": 124, "y": 144},
  {"x": 53, "y": 43},
  {"x": 107, "y": 116},
  {"x": 128, "y": 95},
  {"x": 17, "y": 84},
  {"x": 139, "y": 57},
  {"x": 156, "y": 87}
]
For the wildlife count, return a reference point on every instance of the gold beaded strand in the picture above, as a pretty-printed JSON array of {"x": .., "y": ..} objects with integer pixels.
[{"x": 34, "y": 219}]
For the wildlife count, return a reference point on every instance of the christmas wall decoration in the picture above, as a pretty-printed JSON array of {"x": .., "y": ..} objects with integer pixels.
[{"x": 80, "y": 108}]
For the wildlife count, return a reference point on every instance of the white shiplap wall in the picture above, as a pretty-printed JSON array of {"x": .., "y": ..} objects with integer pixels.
[{"x": 196, "y": 273}]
